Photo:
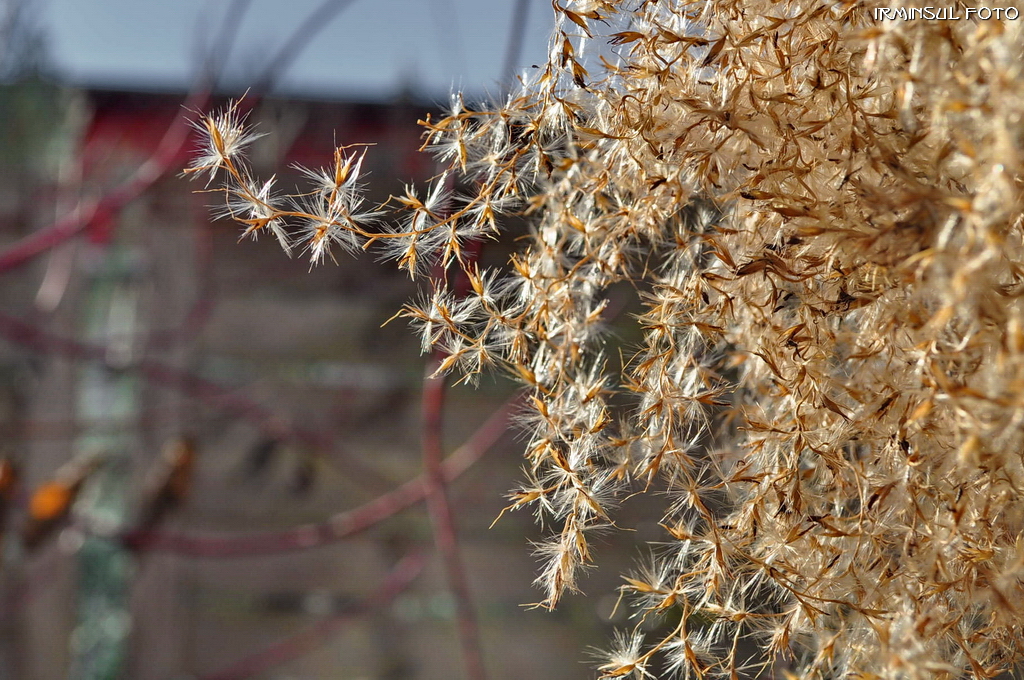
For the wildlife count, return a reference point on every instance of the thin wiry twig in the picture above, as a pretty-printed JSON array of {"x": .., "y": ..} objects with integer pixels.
[{"x": 442, "y": 518}]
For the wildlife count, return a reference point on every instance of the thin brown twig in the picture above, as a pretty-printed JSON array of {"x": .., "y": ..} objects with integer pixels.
[{"x": 282, "y": 651}]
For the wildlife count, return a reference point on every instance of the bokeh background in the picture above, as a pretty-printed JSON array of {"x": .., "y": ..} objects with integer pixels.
[{"x": 210, "y": 454}]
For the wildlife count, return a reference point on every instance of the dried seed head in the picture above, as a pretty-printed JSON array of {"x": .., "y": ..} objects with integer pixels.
[{"x": 819, "y": 206}]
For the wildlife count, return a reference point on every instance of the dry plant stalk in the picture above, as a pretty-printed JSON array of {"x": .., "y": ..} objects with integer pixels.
[{"x": 822, "y": 214}]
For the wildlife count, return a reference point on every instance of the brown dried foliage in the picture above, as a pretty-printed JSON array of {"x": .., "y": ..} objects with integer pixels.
[{"x": 822, "y": 213}]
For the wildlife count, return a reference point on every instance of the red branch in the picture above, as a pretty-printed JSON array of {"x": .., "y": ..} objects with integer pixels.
[
  {"x": 443, "y": 520},
  {"x": 167, "y": 152},
  {"x": 400, "y": 578},
  {"x": 339, "y": 526},
  {"x": 331, "y": 530}
]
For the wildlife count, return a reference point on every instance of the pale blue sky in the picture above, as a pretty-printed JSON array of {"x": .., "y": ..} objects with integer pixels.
[{"x": 371, "y": 50}]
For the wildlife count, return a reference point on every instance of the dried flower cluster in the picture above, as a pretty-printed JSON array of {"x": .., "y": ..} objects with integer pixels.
[{"x": 822, "y": 214}]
